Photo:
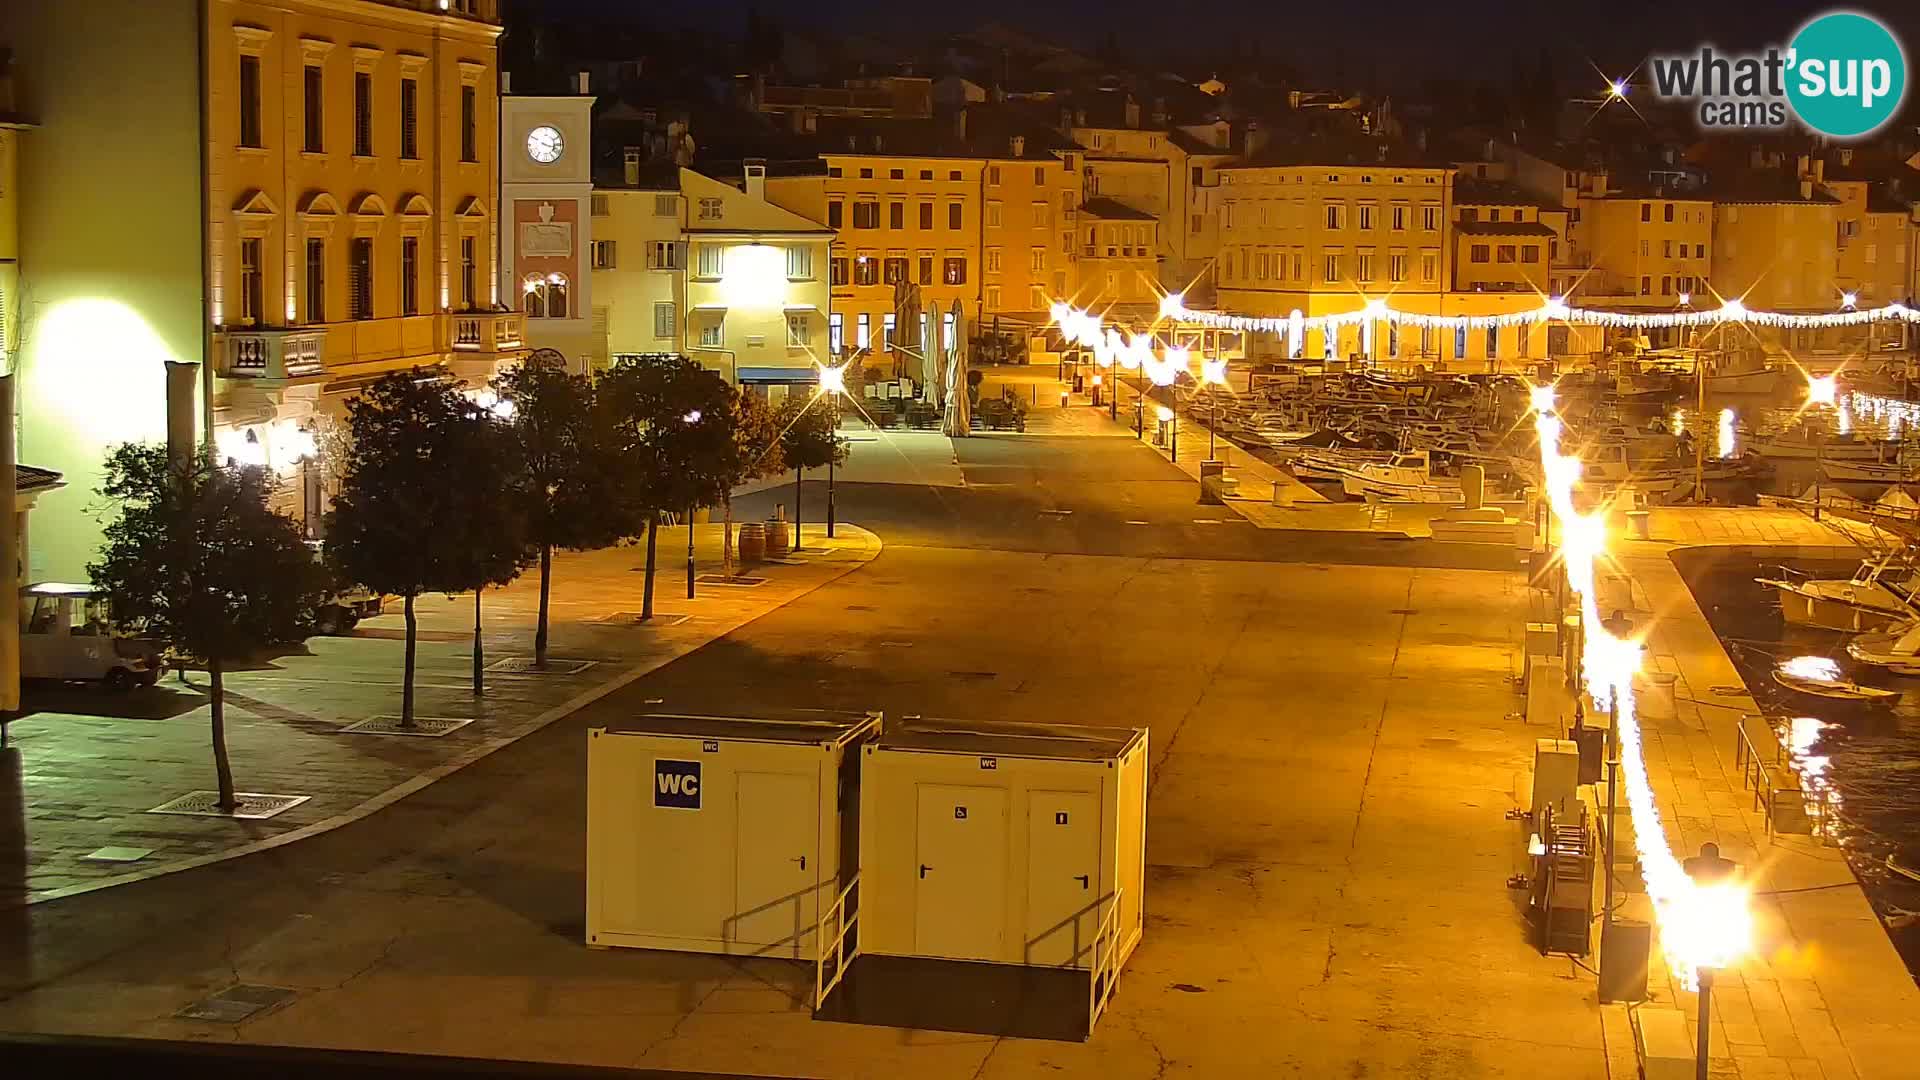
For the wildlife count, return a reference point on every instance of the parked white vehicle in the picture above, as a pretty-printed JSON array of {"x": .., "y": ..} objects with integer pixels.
[{"x": 67, "y": 634}]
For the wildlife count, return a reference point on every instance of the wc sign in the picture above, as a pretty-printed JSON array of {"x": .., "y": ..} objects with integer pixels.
[{"x": 676, "y": 784}]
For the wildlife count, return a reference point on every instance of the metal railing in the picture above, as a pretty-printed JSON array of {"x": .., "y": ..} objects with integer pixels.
[
  {"x": 830, "y": 942},
  {"x": 1106, "y": 962},
  {"x": 1774, "y": 782}
]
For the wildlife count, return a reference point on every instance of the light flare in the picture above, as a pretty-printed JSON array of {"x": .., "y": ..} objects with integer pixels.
[
  {"x": 1727, "y": 436},
  {"x": 1821, "y": 389}
]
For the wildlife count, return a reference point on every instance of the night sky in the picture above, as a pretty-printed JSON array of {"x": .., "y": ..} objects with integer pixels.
[{"x": 1391, "y": 39}]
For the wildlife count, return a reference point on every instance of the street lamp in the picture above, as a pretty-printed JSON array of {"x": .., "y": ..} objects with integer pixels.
[
  {"x": 1213, "y": 373},
  {"x": 833, "y": 383},
  {"x": 692, "y": 417},
  {"x": 1172, "y": 421},
  {"x": 1820, "y": 391},
  {"x": 1709, "y": 870}
]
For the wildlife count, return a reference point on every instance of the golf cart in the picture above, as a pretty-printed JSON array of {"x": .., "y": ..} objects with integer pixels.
[
  {"x": 66, "y": 633},
  {"x": 345, "y": 604}
]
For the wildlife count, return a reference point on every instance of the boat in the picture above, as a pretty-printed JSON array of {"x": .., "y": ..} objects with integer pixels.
[
  {"x": 1895, "y": 651},
  {"x": 1895, "y": 864},
  {"x": 1822, "y": 447},
  {"x": 1878, "y": 595},
  {"x": 1868, "y": 472},
  {"x": 1821, "y": 677},
  {"x": 1407, "y": 478}
]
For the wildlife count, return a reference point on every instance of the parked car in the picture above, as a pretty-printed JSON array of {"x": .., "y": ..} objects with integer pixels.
[
  {"x": 345, "y": 604},
  {"x": 68, "y": 634}
]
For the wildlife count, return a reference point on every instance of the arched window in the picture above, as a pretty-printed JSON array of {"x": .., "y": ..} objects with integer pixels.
[
  {"x": 556, "y": 296},
  {"x": 546, "y": 296},
  {"x": 536, "y": 302}
]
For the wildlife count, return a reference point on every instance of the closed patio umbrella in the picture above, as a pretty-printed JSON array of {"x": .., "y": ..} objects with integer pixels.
[{"x": 959, "y": 418}]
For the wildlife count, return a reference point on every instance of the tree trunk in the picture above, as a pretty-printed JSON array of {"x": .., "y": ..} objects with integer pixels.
[
  {"x": 653, "y": 533},
  {"x": 222, "y": 768},
  {"x": 406, "y": 685},
  {"x": 726, "y": 539},
  {"x": 479, "y": 650},
  {"x": 540, "y": 629},
  {"x": 796, "y": 508}
]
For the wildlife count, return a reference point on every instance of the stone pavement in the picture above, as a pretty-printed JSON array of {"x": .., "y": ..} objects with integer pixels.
[
  {"x": 1822, "y": 994},
  {"x": 86, "y": 765},
  {"x": 874, "y": 456}
]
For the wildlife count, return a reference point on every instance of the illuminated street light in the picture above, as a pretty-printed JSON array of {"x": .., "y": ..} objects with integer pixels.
[
  {"x": 1617, "y": 89},
  {"x": 1848, "y": 300},
  {"x": 1172, "y": 422},
  {"x": 1686, "y": 299},
  {"x": 1213, "y": 373},
  {"x": 833, "y": 383},
  {"x": 1820, "y": 391}
]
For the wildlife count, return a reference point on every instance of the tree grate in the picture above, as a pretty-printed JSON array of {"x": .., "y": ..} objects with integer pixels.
[
  {"x": 429, "y": 727},
  {"x": 632, "y": 619},
  {"x": 237, "y": 1003},
  {"x": 254, "y": 806},
  {"x": 118, "y": 854},
  {"x": 523, "y": 665},
  {"x": 735, "y": 581}
]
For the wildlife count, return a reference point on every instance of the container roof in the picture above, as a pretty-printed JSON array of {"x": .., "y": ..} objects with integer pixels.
[
  {"x": 805, "y": 726},
  {"x": 1066, "y": 742}
]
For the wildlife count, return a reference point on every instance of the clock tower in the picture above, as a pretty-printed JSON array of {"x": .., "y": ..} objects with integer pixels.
[{"x": 546, "y": 207}]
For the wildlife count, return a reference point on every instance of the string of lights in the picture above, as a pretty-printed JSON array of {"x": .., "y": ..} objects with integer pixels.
[{"x": 1554, "y": 309}]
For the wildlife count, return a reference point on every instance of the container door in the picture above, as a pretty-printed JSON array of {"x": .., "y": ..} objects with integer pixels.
[
  {"x": 1064, "y": 901},
  {"x": 776, "y": 861},
  {"x": 960, "y": 903}
]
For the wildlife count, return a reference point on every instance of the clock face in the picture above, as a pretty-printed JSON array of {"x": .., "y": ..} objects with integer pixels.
[{"x": 543, "y": 145}]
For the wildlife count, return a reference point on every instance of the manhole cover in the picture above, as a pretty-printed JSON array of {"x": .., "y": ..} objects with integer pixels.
[
  {"x": 118, "y": 854},
  {"x": 430, "y": 727},
  {"x": 736, "y": 581},
  {"x": 241, "y": 1001},
  {"x": 524, "y": 665},
  {"x": 660, "y": 618},
  {"x": 254, "y": 806}
]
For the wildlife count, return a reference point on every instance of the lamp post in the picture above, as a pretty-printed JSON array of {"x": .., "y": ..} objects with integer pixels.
[
  {"x": 1707, "y": 869},
  {"x": 833, "y": 383},
  {"x": 1820, "y": 391},
  {"x": 691, "y": 418},
  {"x": 1169, "y": 418},
  {"x": 1213, "y": 375}
]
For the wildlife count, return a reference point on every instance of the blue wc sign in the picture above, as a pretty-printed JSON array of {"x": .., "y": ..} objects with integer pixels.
[{"x": 676, "y": 784}]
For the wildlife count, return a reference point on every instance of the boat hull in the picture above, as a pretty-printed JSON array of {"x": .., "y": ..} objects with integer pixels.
[{"x": 1823, "y": 613}]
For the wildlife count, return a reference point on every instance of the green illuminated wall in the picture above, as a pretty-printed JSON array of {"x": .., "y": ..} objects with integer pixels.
[{"x": 110, "y": 272}]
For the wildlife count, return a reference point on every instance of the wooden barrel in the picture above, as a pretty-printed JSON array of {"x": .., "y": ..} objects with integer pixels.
[
  {"x": 753, "y": 542},
  {"x": 779, "y": 540}
]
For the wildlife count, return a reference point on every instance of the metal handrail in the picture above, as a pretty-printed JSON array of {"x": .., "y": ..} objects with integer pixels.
[
  {"x": 834, "y": 944},
  {"x": 1106, "y": 951},
  {"x": 1767, "y": 780}
]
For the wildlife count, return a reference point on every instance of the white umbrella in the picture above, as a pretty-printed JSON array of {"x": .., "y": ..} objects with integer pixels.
[
  {"x": 959, "y": 420},
  {"x": 930, "y": 363}
]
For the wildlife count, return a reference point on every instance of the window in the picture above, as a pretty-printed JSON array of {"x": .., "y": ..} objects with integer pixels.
[
  {"x": 1493, "y": 342},
  {"x": 955, "y": 272},
  {"x": 1646, "y": 211},
  {"x": 710, "y": 209},
  {"x": 666, "y": 254},
  {"x": 836, "y": 333},
  {"x": 1646, "y": 248},
  {"x": 360, "y": 278},
  {"x": 836, "y": 214},
  {"x": 866, "y": 174},
  {"x": 468, "y": 271},
  {"x": 469, "y": 124},
  {"x": 993, "y": 260},
  {"x": 894, "y": 270},
  {"x": 993, "y": 215},
  {"x": 1469, "y": 214},
  {"x": 993, "y": 175},
  {"x": 1037, "y": 260},
  {"x": 838, "y": 270},
  {"x": 409, "y": 275},
  {"x": 597, "y": 205},
  {"x": 1198, "y": 220},
  {"x": 993, "y": 297},
  {"x": 1366, "y": 215},
  {"x": 1522, "y": 331},
  {"x": 1478, "y": 253},
  {"x": 897, "y": 174},
  {"x": 251, "y": 292},
  {"x": 926, "y": 174},
  {"x": 833, "y": 171},
  {"x": 603, "y": 255},
  {"x": 1666, "y": 285},
  {"x": 666, "y": 205},
  {"x": 1504, "y": 253},
  {"x": 1459, "y": 343},
  {"x": 409, "y": 118},
  {"x": 1399, "y": 219},
  {"x": 663, "y": 319},
  {"x": 362, "y": 114},
  {"x": 864, "y": 329},
  {"x": 713, "y": 334},
  {"x": 316, "y": 281},
  {"x": 713, "y": 261},
  {"x": 1039, "y": 175},
  {"x": 1646, "y": 286},
  {"x": 1669, "y": 211},
  {"x": 1430, "y": 217},
  {"x": 799, "y": 263},
  {"x": 1396, "y": 267},
  {"x": 1393, "y": 339},
  {"x": 1043, "y": 215},
  {"x": 1037, "y": 298},
  {"x": 889, "y": 332},
  {"x": 1366, "y": 266},
  {"x": 1666, "y": 249},
  {"x": 953, "y": 215},
  {"x": 953, "y": 174},
  {"x": 1335, "y": 218},
  {"x": 250, "y": 101},
  {"x": 926, "y": 270},
  {"x": 1530, "y": 253},
  {"x": 866, "y": 270},
  {"x": 1332, "y": 268},
  {"x": 1494, "y": 215},
  {"x": 799, "y": 330},
  {"x": 926, "y": 215},
  {"x": 1699, "y": 251},
  {"x": 897, "y": 215},
  {"x": 866, "y": 214},
  {"x": 313, "y": 136}
]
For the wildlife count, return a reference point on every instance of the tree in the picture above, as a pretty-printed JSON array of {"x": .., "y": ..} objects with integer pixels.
[
  {"x": 809, "y": 439},
  {"x": 408, "y": 520},
  {"x": 567, "y": 498},
  {"x": 487, "y": 527},
  {"x": 756, "y": 444},
  {"x": 197, "y": 562},
  {"x": 669, "y": 423}
]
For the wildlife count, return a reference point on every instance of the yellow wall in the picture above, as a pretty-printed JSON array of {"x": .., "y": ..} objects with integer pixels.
[
  {"x": 1034, "y": 237},
  {"x": 1872, "y": 247},
  {"x": 752, "y": 298},
  {"x": 630, "y": 288},
  {"x": 1643, "y": 262},
  {"x": 1777, "y": 255},
  {"x": 1277, "y": 218}
]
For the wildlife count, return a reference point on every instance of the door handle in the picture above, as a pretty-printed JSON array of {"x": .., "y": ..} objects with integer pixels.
[
  {"x": 1082, "y": 879},
  {"x": 923, "y": 870}
]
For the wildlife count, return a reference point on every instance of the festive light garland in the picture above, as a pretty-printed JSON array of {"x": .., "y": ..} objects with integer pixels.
[{"x": 1295, "y": 323}]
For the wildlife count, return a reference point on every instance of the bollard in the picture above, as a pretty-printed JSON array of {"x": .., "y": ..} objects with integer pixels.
[{"x": 1473, "y": 485}]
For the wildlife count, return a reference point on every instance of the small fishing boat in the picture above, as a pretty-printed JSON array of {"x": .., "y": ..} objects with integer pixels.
[
  {"x": 1869, "y": 472},
  {"x": 1822, "y": 447},
  {"x": 1821, "y": 677},
  {"x": 1895, "y": 651},
  {"x": 1407, "y": 478},
  {"x": 1898, "y": 866},
  {"x": 1878, "y": 595}
]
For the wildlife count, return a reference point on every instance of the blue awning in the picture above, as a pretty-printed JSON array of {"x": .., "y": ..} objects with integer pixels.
[{"x": 778, "y": 375}]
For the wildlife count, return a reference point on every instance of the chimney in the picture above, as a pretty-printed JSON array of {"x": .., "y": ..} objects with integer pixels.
[
  {"x": 1018, "y": 144},
  {"x": 1133, "y": 113},
  {"x": 581, "y": 81},
  {"x": 1066, "y": 118},
  {"x": 1819, "y": 170},
  {"x": 1806, "y": 187},
  {"x": 506, "y": 84},
  {"x": 1079, "y": 118},
  {"x": 756, "y": 186},
  {"x": 960, "y": 123},
  {"x": 1159, "y": 116},
  {"x": 630, "y": 166},
  {"x": 1846, "y": 152}
]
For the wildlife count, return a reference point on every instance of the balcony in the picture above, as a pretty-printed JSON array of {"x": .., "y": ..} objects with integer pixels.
[
  {"x": 272, "y": 353},
  {"x": 489, "y": 331}
]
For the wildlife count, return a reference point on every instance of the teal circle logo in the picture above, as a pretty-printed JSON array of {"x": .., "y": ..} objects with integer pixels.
[{"x": 1846, "y": 74}]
